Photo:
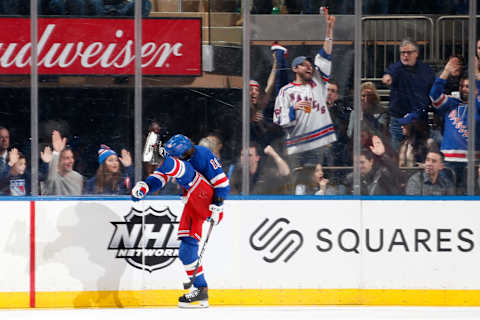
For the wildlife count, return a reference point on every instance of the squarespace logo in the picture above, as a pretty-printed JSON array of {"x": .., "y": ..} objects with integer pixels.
[
  {"x": 395, "y": 240},
  {"x": 276, "y": 240}
]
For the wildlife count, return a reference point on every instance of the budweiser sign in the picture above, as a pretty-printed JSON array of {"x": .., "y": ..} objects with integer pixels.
[{"x": 101, "y": 46}]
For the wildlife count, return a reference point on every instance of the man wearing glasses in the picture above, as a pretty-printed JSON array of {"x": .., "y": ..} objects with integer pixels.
[{"x": 410, "y": 81}]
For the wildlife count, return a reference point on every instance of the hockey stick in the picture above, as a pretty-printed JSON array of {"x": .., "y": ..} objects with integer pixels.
[{"x": 187, "y": 285}]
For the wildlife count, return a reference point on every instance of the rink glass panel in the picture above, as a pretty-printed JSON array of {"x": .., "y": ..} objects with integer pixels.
[
  {"x": 90, "y": 102},
  {"x": 335, "y": 156},
  {"x": 16, "y": 110},
  {"x": 437, "y": 38},
  {"x": 203, "y": 101}
]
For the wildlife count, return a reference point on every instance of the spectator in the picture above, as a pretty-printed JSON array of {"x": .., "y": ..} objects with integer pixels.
[
  {"x": 374, "y": 118},
  {"x": 61, "y": 179},
  {"x": 265, "y": 132},
  {"x": 265, "y": 177},
  {"x": 451, "y": 87},
  {"x": 14, "y": 180},
  {"x": 109, "y": 178},
  {"x": 414, "y": 148},
  {"x": 213, "y": 142},
  {"x": 386, "y": 157},
  {"x": 455, "y": 112},
  {"x": 375, "y": 177},
  {"x": 430, "y": 181},
  {"x": 410, "y": 81},
  {"x": 340, "y": 113},
  {"x": 301, "y": 106},
  {"x": 313, "y": 181},
  {"x": 4, "y": 145}
]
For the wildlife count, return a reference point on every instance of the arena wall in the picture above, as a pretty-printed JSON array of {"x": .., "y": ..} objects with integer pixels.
[{"x": 272, "y": 251}]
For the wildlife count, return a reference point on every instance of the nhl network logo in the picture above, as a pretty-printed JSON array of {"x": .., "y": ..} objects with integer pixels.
[
  {"x": 155, "y": 247},
  {"x": 281, "y": 244}
]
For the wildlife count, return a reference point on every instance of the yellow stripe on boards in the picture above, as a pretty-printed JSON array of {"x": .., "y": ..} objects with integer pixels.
[
  {"x": 14, "y": 300},
  {"x": 163, "y": 298}
]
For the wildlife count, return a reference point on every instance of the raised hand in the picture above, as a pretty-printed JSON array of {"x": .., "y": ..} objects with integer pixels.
[
  {"x": 13, "y": 157},
  {"x": 323, "y": 184},
  {"x": 378, "y": 147},
  {"x": 452, "y": 68},
  {"x": 126, "y": 158},
  {"x": 58, "y": 142},
  {"x": 46, "y": 154},
  {"x": 329, "y": 20}
]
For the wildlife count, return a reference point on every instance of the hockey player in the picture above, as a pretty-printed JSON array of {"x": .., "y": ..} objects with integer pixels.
[
  {"x": 199, "y": 194},
  {"x": 203, "y": 161},
  {"x": 301, "y": 106}
]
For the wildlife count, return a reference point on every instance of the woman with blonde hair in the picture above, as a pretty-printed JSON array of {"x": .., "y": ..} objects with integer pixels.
[{"x": 374, "y": 116}]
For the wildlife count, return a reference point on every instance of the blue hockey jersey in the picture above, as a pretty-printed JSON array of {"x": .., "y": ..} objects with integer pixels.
[
  {"x": 455, "y": 112},
  {"x": 207, "y": 164},
  {"x": 182, "y": 171}
]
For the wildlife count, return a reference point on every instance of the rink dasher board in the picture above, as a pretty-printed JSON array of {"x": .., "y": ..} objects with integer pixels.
[{"x": 276, "y": 252}]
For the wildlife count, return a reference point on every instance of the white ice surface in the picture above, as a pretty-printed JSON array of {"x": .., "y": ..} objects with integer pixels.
[{"x": 246, "y": 313}]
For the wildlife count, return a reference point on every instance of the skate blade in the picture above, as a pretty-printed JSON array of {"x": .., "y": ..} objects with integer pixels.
[{"x": 195, "y": 304}]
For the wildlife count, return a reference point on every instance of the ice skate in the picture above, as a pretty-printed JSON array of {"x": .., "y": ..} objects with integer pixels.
[{"x": 197, "y": 298}]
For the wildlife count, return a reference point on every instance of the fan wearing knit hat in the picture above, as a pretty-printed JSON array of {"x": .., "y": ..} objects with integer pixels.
[{"x": 110, "y": 178}]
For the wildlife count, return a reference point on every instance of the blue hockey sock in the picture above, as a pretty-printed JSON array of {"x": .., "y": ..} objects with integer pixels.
[{"x": 188, "y": 254}]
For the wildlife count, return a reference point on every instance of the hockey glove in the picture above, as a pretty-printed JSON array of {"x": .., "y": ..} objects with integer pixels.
[
  {"x": 139, "y": 191},
  {"x": 217, "y": 213}
]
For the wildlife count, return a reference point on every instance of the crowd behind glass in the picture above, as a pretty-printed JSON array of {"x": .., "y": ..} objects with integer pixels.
[{"x": 414, "y": 143}]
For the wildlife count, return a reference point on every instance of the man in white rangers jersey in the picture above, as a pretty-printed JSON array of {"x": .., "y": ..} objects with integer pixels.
[{"x": 301, "y": 107}]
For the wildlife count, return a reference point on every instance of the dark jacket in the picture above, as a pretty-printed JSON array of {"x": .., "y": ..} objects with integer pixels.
[
  {"x": 420, "y": 184},
  {"x": 410, "y": 88},
  {"x": 379, "y": 181}
]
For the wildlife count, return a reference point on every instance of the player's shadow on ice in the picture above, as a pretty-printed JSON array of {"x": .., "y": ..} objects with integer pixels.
[{"x": 85, "y": 231}]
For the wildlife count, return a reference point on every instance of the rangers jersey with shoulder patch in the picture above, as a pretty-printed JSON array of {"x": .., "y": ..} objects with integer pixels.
[
  {"x": 306, "y": 131},
  {"x": 207, "y": 164},
  {"x": 455, "y": 132}
]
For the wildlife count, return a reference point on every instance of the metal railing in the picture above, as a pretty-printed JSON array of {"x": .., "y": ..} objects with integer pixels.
[
  {"x": 382, "y": 36},
  {"x": 451, "y": 36}
]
